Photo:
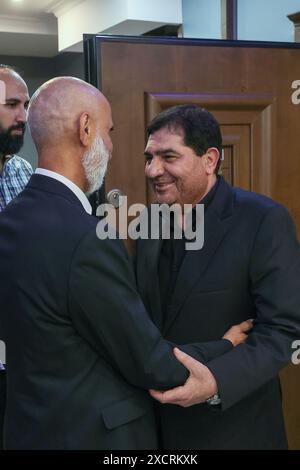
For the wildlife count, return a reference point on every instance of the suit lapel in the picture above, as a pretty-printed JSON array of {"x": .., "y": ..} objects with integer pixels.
[{"x": 217, "y": 222}]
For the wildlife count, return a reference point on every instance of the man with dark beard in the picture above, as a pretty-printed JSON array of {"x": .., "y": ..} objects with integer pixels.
[{"x": 14, "y": 170}]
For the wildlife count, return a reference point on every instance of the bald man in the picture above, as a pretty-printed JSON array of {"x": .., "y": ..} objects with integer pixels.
[
  {"x": 81, "y": 350},
  {"x": 14, "y": 170}
]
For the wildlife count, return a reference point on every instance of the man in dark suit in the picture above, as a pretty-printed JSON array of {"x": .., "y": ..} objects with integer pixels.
[
  {"x": 249, "y": 267},
  {"x": 81, "y": 350}
]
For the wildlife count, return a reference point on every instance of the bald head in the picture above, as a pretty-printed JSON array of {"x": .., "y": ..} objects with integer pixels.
[
  {"x": 70, "y": 122},
  {"x": 6, "y": 71},
  {"x": 11, "y": 78},
  {"x": 56, "y": 107}
]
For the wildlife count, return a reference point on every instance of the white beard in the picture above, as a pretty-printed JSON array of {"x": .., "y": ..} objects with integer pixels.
[{"x": 95, "y": 163}]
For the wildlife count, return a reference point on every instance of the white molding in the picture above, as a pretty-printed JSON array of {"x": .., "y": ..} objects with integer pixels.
[{"x": 60, "y": 7}]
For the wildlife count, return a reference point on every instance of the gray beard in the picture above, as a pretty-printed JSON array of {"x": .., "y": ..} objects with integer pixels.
[{"x": 95, "y": 165}]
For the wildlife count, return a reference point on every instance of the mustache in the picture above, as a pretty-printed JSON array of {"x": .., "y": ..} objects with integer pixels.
[
  {"x": 157, "y": 181},
  {"x": 17, "y": 127}
]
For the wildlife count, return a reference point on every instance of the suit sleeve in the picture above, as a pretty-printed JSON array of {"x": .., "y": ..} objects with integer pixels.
[
  {"x": 108, "y": 312},
  {"x": 274, "y": 274},
  {"x": 205, "y": 352}
]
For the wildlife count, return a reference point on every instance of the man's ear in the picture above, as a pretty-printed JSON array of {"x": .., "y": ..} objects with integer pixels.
[
  {"x": 212, "y": 157},
  {"x": 85, "y": 129}
]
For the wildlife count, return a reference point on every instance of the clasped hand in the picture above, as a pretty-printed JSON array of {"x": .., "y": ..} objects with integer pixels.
[{"x": 201, "y": 383}]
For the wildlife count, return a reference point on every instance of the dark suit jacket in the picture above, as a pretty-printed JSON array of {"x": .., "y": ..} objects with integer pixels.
[
  {"x": 249, "y": 267},
  {"x": 79, "y": 342}
]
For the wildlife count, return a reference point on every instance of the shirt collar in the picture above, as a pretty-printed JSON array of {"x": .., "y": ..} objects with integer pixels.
[
  {"x": 210, "y": 195},
  {"x": 5, "y": 160},
  {"x": 73, "y": 187}
]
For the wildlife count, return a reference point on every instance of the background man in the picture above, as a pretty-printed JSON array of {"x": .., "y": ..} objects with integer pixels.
[
  {"x": 14, "y": 170},
  {"x": 79, "y": 341},
  {"x": 249, "y": 267}
]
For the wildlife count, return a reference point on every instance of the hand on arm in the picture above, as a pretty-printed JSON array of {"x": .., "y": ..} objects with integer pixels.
[
  {"x": 201, "y": 383},
  {"x": 237, "y": 334},
  {"x": 199, "y": 386}
]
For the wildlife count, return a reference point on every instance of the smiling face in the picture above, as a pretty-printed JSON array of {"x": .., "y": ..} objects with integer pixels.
[
  {"x": 13, "y": 113},
  {"x": 175, "y": 172}
]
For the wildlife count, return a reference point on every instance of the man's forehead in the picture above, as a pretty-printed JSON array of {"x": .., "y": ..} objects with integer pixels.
[
  {"x": 13, "y": 85},
  {"x": 164, "y": 137}
]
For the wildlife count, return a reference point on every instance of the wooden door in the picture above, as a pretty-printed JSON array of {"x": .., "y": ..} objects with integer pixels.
[{"x": 246, "y": 85}]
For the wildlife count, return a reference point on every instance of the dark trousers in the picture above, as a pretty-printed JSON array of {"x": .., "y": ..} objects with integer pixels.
[{"x": 2, "y": 403}]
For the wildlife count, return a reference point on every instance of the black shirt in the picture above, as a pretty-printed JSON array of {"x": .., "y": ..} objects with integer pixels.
[{"x": 172, "y": 255}]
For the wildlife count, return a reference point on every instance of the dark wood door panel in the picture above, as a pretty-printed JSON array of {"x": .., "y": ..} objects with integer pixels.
[{"x": 236, "y": 166}]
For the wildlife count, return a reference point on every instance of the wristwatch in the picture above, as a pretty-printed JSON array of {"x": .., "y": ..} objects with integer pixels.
[{"x": 214, "y": 400}]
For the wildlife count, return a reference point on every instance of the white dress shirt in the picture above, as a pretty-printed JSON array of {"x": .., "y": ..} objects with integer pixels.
[{"x": 73, "y": 187}]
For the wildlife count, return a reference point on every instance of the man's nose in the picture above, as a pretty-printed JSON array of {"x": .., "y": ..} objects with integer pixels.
[
  {"x": 22, "y": 115},
  {"x": 155, "y": 168}
]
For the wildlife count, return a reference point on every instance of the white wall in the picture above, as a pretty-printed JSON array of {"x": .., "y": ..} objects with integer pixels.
[
  {"x": 162, "y": 11},
  {"x": 115, "y": 17}
]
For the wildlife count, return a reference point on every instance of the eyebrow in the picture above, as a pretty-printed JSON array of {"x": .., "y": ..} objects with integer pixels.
[
  {"x": 15, "y": 100},
  {"x": 147, "y": 153}
]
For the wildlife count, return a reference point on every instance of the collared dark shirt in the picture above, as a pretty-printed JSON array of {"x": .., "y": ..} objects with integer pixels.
[{"x": 172, "y": 255}]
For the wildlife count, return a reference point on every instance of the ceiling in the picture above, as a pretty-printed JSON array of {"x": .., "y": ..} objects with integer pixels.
[
  {"x": 30, "y": 7},
  {"x": 29, "y": 27},
  {"x": 42, "y": 28}
]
